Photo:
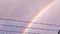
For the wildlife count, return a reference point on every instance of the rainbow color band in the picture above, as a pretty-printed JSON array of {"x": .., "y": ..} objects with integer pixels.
[{"x": 38, "y": 15}]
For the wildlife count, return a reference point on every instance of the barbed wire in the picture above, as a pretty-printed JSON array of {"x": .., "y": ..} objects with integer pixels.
[
  {"x": 30, "y": 22},
  {"x": 29, "y": 27},
  {"x": 18, "y": 32}
]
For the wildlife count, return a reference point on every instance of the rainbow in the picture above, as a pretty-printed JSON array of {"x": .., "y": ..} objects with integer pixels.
[{"x": 38, "y": 15}]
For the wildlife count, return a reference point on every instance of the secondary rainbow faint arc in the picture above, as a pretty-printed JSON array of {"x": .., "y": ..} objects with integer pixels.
[{"x": 38, "y": 15}]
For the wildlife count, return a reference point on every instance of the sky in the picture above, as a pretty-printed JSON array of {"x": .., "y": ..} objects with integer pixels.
[
  {"x": 48, "y": 21},
  {"x": 14, "y": 11}
]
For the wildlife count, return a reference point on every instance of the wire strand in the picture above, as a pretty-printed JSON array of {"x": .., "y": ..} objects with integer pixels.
[{"x": 30, "y": 22}]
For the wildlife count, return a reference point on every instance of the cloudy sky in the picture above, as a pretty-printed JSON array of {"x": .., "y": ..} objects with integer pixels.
[{"x": 40, "y": 11}]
